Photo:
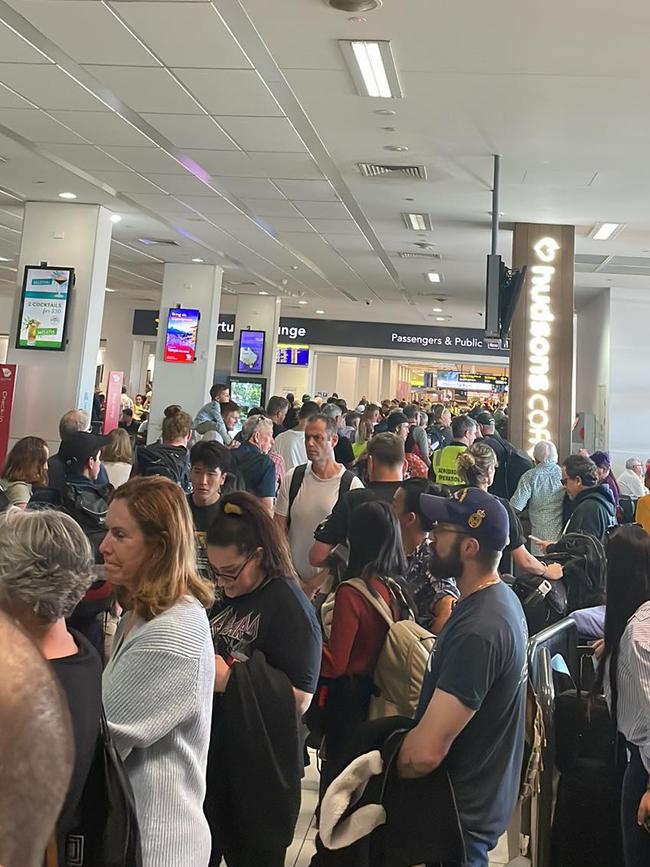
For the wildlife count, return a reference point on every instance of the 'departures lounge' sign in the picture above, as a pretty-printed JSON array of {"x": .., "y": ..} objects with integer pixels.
[
  {"x": 357, "y": 335},
  {"x": 541, "y": 384}
]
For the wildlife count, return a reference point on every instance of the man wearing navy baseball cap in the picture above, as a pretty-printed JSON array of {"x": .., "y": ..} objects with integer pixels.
[{"x": 472, "y": 706}]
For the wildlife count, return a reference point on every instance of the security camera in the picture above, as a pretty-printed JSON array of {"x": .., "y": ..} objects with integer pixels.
[{"x": 368, "y": 302}]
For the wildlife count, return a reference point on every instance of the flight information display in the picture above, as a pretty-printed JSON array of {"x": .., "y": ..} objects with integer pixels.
[{"x": 294, "y": 355}]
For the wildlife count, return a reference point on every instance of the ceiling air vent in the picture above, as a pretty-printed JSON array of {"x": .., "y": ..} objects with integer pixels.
[
  {"x": 406, "y": 254},
  {"x": 375, "y": 170},
  {"x": 157, "y": 242}
]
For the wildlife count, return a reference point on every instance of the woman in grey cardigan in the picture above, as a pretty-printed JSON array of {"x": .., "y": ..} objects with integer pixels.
[{"x": 158, "y": 686}]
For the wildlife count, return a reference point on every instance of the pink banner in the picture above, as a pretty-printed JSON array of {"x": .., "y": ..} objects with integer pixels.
[
  {"x": 7, "y": 387},
  {"x": 113, "y": 406}
]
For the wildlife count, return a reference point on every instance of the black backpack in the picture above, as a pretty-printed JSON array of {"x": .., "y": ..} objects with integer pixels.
[
  {"x": 106, "y": 832},
  {"x": 517, "y": 463},
  {"x": 170, "y": 462},
  {"x": 298, "y": 477},
  {"x": 88, "y": 505}
]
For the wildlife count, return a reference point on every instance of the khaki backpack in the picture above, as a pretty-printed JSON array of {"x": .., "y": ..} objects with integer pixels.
[{"x": 403, "y": 660}]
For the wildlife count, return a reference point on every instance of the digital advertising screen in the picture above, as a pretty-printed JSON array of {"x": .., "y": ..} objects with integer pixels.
[
  {"x": 298, "y": 356},
  {"x": 44, "y": 308},
  {"x": 247, "y": 394},
  {"x": 251, "y": 351},
  {"x": 180, "y": 339}
]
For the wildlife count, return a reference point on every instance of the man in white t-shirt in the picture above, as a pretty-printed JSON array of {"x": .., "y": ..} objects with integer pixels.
[
  {"x": 317, "y": 494},
  {"x": 291, "y": 443}
]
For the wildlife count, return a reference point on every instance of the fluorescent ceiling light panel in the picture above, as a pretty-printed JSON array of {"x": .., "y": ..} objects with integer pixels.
[
  {"x": 372, "y": 67},
  {"x": 116, "y": 218},
  {"x": 417, "y": 222},
  {"x": 302, "y": 303},
  {"x": 433, "y": 277},
  {"x": 605, "y": 231}
]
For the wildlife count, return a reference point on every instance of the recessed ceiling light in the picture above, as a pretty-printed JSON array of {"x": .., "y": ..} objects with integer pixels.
[
  {"x": 417, "y": 222},
  {"x": 262, "y": 292},
  {"x": 354, "y": 5},
  {"x": 110, "y": 290},
  {"x": 198, "y": 261},
  {"x": 319, "y": 311},
  {"x": 115, "y": 218},
  {"x": 433, "y": 277},
  {"x": 386, "y": 112},
  {"x": 3, "y": 259},
  {"x": 398, "y": 148},
  {"x": 440, "y": 318},
  {"x": 372, "y": 68},
  {"x": 302, "y": 303},
  {"x": 605, "y": 231},
  {"x": 67, "y": 195},
  {"x": 437, "y": 309}
]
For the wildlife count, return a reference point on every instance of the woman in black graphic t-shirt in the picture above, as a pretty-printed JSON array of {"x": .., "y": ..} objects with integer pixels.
[{"x": 262, "y": 618}]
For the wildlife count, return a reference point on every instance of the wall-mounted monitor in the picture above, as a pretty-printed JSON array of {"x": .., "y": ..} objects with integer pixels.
[
  {"x": 181, "y": 335},
  {"x": 247, "y": 393},
  {"x": 297, "y": 356},
  {"x": 44, "y": 305},
  {"x": 251, "y": 352}
]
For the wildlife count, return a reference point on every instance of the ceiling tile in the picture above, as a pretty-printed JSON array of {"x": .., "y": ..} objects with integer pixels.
[
  {"x": 13, "y": 49},
  {"x": 190, "y": 131},
  {"x": 230, "y": 91},
  {"x": 256, "y": 165},
  {"x": 151, "y": 90},
  {"x": 266, "y": 208},
  {"x": 86, "y": 31},
  {"x": 288, "y": 224},
  {"x": 84, "y": 157},
  {"x": 146, "y": 159},
  {"x": 104, "y": 128},
  {"x": 125, "y": 182},
  {"x": 338, "y": 227},
  {"x": 263, "y": 134},
  {"x": 324, "y": 210},
  {"x": 36, "y": 126},
  {"x": 10, "y": 100},
  {"x": 307, "y": 191},
  {"x": 185, "y": 184},
  {"x": 253, "y": 188},
  {"x": 209, "y": 206},
  {"x": 184, "y": 34},
  {"x": 47, "y": 86}
]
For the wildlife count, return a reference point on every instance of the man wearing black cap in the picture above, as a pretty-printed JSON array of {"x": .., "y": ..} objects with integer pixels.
[
  {"x": 472, "y": 706},
  {"x": 84, "y": 497}
]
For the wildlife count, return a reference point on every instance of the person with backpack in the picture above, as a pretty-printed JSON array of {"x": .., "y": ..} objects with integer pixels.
[
  {"x": 359, "y": 629},
  {"x": 309, "y": 491},
  {"x": 439, "y": 430},
  {"x": 471, "y": 715},
  {"x": 46, "y": 566},
  {"x": 84, "y": 497},
  {"x": 511, "y": 462},
  {"x": 169, "y": 458},
  {"x": 593, "y": 509}
]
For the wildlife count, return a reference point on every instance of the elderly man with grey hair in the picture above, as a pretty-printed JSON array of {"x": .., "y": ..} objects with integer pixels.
[
  {"x": 46, "y": 566},
  {"x": 252, "y": 462},
  {"x": 630, "y": 482},
  {"x": 541, "y": 490},
  {"x": 72, "y": 421},
  {"x": 343, "y": 453}
]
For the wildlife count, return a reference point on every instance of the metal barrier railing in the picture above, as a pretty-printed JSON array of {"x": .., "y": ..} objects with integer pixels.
[{"x": 561, "y": 637}]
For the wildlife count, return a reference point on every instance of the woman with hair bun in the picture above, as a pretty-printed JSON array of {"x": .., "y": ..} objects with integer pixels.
[{"x": 476, "y": 467}]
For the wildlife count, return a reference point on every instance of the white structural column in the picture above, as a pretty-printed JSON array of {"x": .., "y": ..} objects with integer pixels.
[
  {"x": 259, "y": 313},
  {"x": 191, "y": 287},
  {"x": 51, "y": 383}
]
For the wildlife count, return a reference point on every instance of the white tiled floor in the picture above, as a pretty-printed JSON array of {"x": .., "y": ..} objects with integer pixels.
[{"x": 302, "y": 849}]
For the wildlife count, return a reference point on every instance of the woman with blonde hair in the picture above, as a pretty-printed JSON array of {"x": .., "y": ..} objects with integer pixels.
[
  {"x": 26, "y": 465},
  {"x": 117, "y": 457},
  {"x": 158, "y": 685},
  {"x": 476, "y": 468}
]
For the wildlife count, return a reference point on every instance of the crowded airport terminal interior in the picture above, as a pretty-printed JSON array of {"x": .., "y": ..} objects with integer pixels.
[{"x": 324, "y": 463}]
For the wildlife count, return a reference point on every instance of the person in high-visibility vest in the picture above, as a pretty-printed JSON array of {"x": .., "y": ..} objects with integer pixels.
[{"x": 444, "y": 468}]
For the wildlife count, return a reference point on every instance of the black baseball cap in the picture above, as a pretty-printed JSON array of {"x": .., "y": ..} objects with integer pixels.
[
  {"x": 485, "y": 418},
  {"x": 79, "y": 446},
  {"x": 394, "y": 420},
  {"x": 476, "y": 512}
]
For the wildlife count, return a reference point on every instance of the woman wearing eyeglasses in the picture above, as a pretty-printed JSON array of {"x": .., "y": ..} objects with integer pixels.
[{"x": 268, "y": 649}]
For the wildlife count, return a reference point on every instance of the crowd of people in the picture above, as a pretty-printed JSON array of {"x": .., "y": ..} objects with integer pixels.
[{"x": 243, "y": 586}]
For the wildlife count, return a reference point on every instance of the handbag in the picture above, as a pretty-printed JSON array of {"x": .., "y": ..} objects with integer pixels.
[{"x": 106, "y": 833}]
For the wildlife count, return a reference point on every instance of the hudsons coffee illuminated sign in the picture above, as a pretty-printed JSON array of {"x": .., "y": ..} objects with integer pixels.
[{"x": 540, "y": 335}]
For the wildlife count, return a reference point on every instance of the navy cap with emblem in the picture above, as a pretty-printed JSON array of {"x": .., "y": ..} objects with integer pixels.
[{"x": 474, "y": 511}]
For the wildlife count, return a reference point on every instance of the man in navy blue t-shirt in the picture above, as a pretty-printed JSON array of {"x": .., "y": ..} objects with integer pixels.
[{"x": 472, "y": 706}]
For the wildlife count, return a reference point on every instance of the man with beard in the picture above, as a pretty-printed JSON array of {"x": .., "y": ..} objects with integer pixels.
[{"x": 472, "y": 706}]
